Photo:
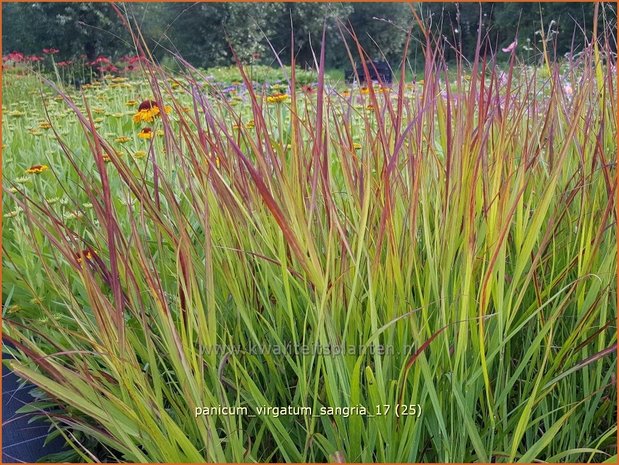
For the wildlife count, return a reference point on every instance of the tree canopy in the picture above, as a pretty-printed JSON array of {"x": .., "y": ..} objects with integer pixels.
[{"x": 205, "y": 33}]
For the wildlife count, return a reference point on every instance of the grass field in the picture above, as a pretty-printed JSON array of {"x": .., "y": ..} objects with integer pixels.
[{"x": 440, "y": 253}]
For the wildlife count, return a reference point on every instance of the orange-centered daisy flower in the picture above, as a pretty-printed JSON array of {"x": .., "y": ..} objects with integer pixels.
[
  {"x": 147, "y": 111},
  {"x": 146, "y": 133},
  {"x": 277, "y": 98},
  {"x": 37, "y": 169},
  {"x": 87, "y": 254}
]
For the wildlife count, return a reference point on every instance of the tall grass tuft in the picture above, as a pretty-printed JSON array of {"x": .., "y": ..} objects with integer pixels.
[{"x": 455, "y": 236}]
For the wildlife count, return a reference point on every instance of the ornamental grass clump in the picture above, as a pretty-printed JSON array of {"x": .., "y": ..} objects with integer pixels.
[{"x": 446, "y": 261}]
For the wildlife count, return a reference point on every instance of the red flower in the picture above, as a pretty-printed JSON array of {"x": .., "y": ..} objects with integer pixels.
[
  {"x": 132, "y": 59},
  {"x": 136, "y": 59},
  {"x": 50, "y": 51},
  {"x": 100, "y": 59},
  {"x": 64, "y": 64},
  {"x": 511, "y": 47},
  {"x": 15, "y": 57},
  {"x": 109, "y": 68},
  {"x": 34, "y": 58}
]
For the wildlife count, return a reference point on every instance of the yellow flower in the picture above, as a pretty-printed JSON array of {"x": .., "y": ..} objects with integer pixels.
[
  {"x": 146, "y": 133},
  {"x": 356, "y": 146},
  {"x": 250, "y": 124},
  {"x": 87, "y": 254},
  {"x": 277, "y": 98},
  {"x": 37, "y": 169},
  {"x": 45, "y": 125},
  {"x": 146, "y": 116},
  {"x": 131, "y": 103},
  {"x": 107, "y": 159},
  {"x": 160, "y": 132},
  {"x": 148, "y": 110},
  {"x": 214, "y": 158},
  {"x": 122, "y": 139},
  {"x": 346, "y": 93},
  {"x": 365, "y": 90},
  {"x": 139, "y": 154}
]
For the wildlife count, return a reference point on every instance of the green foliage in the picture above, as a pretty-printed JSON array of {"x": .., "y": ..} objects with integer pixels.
[
  {"x": 464, "y": 225},
  {"x": 308, "y": 21},
  {"x": 74, "y": 28},
  {"x": 260, "y": 74},
  {"x": 566, "y": 26},
  {"x": 381, "y": 28},
  {"x": 203, "y": 32}
]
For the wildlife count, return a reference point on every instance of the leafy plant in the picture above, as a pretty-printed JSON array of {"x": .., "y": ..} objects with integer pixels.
[{"x": 455, "y": 238}]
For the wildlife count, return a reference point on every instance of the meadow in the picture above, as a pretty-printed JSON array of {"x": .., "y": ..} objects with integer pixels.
[{"x": 427, "y": 268}]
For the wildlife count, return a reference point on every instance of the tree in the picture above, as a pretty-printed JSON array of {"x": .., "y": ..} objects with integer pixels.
[
  {"x": 381, "y": 29},
  {"x": 74, "y": 28},
  {"x": 203, "y": 33},
  {"x": 308, "y": 21}
]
